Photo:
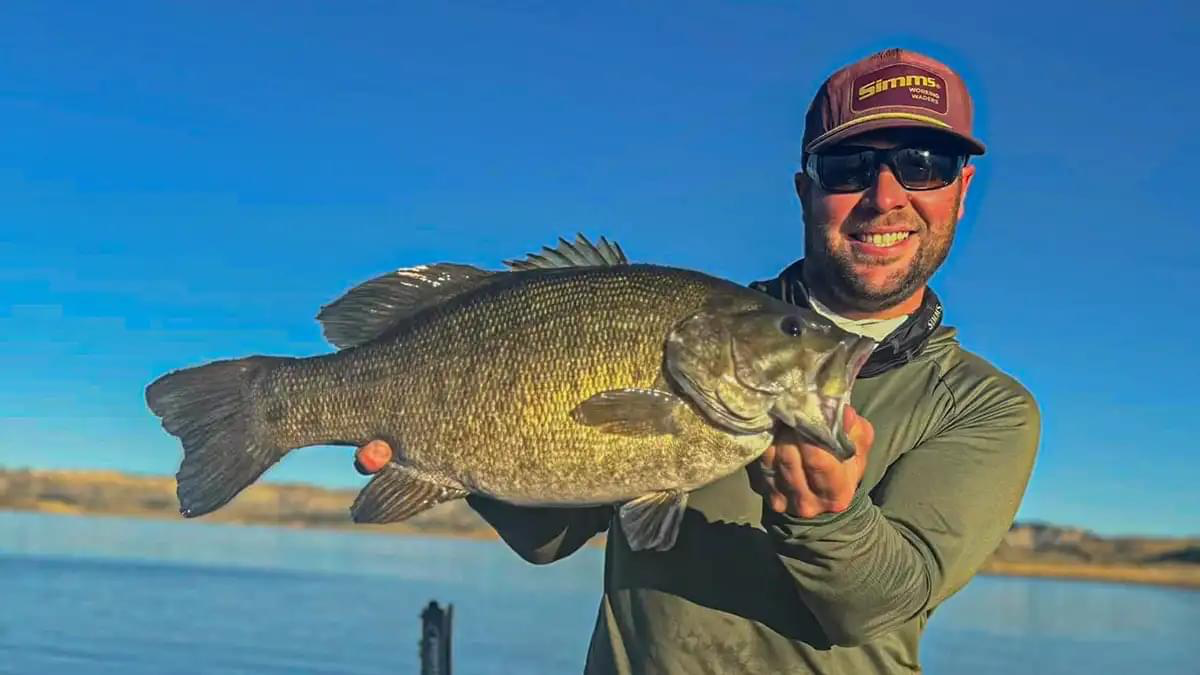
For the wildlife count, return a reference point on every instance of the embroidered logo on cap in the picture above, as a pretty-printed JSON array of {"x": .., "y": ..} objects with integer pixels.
[{"x": 900, "y": 84}]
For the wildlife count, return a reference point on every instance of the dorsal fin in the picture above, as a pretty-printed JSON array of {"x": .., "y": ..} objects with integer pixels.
[
  {"x": 374, "y": 307},
  {"x": 580, "y": 253}
]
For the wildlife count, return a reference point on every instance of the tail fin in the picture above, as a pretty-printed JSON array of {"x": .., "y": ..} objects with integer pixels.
[{"x": 208, "y": 409}]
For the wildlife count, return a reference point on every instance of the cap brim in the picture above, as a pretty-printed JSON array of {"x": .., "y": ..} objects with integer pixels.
[{"x": 892, "y": 121}]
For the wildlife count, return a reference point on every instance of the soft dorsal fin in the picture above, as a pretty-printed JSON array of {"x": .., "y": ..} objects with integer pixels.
[
  {"x": 374, "y": 307},
  {"x": 580, "y": 253}
]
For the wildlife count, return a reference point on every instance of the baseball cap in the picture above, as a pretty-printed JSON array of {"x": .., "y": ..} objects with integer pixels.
[{"x": 894, "y": 88}]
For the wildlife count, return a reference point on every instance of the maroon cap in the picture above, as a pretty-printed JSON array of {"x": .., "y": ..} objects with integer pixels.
[{"x": 891, "y": 89}]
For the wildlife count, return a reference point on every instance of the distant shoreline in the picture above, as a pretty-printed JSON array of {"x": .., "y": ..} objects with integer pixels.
[
  {"x": 1173, "y": 577},
  {"x": 1186, "y": 578},
  {"x": 1030, "y": 551}
]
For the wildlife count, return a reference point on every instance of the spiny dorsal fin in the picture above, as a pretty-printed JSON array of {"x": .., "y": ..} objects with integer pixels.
[
  {"x": 374, "y": 307},
  {"x": 580, "y": 253}
]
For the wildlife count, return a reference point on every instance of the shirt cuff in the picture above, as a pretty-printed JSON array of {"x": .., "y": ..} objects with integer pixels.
[{"x": 789, "y": 528}]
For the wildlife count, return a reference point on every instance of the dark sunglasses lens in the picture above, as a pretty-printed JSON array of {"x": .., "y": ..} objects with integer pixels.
[
  {"x": 845, "y": 173},
  {"x": 925, "y": 170}
]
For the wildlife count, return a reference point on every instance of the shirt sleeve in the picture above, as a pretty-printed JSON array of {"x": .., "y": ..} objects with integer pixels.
[
  {"x": 923, "y": 532},
  {"x": 542, "y": 535}
]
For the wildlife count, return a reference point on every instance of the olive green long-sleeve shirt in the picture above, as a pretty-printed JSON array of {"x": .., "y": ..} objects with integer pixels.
[{"x": 747, "y": 590}]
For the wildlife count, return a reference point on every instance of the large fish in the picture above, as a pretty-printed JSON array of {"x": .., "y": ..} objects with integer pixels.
[{"x": 575, "y": 378}]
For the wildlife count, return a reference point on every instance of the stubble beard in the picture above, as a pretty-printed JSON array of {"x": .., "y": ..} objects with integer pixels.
[{"x": 833, "y": 271}]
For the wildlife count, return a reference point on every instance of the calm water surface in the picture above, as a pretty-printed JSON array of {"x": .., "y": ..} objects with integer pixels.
[{"x": 110, "y": 595}]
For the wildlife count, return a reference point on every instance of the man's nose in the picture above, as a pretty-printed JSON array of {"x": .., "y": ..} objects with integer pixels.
[{"x": 886, "y": 193}]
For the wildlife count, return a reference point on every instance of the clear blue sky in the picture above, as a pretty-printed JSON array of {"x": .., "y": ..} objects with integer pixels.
[{"x": 182, "y": 182}]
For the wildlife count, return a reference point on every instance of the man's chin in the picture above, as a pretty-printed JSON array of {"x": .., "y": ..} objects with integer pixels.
[
  {"x": 873, "y": 288},
  {"x": 880, "y": 277}
]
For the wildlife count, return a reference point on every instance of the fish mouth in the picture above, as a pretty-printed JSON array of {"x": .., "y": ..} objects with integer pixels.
[
  {"x": 833, "y": 407},
  {"x": 860, "y": 353},
  {"x": 824, "y": 423}
]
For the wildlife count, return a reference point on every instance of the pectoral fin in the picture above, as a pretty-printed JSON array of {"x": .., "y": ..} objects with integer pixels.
[
  {"x": 630, "y": 412},
  {"x": 651, "y": 522},
  {"x": 398, "y": 492}
]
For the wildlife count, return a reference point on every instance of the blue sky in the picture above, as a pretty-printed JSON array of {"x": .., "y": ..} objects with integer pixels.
[{"x": 181, "y": 182}]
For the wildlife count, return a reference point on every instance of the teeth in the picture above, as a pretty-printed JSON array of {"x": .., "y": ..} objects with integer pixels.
[{"x": 889, "y": 239}]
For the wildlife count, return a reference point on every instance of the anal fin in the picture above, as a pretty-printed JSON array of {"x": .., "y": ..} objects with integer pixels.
[
  {"x": 651, "y": 522},
  {"x": 398, "y": 492}
]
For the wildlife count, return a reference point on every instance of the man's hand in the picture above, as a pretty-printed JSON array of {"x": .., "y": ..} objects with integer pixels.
[{"x": 806, "y": 480}]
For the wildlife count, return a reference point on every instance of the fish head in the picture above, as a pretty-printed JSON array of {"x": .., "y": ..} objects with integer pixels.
[{"x": 752, "y": 367}]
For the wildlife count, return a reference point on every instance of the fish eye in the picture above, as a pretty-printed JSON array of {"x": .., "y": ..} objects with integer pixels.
[{"x": 792, "y": 326}]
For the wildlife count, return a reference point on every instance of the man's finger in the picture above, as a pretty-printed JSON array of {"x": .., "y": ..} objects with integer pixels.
[
  {"x": 789, "y": 467},
  {"x": 779, "y": 503},
  {"x": 823, "y": 472},
  {"x": 863, "y": 436},
  {"x": 372, "y": 457},
  {"x": 850, "y": 417},
  {"x": 795, "y": 482}
]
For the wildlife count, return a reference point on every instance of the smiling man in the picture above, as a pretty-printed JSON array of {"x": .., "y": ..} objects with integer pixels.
[
  {"x": 874, "y": 544},
  {"x": 802, "y": 563}
]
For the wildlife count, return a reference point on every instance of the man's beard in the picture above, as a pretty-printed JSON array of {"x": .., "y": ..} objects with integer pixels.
[{"x": 833, "y": 272}]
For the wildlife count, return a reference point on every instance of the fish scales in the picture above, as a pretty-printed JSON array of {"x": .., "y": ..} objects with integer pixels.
[
  {"x": 493, "y": 412},
  {"x": 575, "y": 379}
]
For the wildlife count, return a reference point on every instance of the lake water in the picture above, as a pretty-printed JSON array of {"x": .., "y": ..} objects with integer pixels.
[{"x": 111, "y": 595}]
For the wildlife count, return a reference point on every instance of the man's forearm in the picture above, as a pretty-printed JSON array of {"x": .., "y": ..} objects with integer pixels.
[
  {"x": 922, "y": 533},
  {"x": 856, "y": 572},
  {"x": 542, "y": 535}
]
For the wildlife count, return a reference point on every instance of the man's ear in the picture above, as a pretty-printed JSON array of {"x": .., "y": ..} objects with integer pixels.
[
  {"x": 968, "y": 172},
  {"x": 803, "y": 186}
]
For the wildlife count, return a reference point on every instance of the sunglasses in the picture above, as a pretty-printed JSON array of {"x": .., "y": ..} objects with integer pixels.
[{"x": 914, "y": 168}]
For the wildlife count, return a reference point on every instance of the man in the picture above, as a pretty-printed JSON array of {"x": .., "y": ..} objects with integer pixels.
[{"x": 803, "y": 564}]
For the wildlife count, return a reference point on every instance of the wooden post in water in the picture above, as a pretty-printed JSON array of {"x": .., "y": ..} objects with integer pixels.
[{"x": 435, "y": 639}]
